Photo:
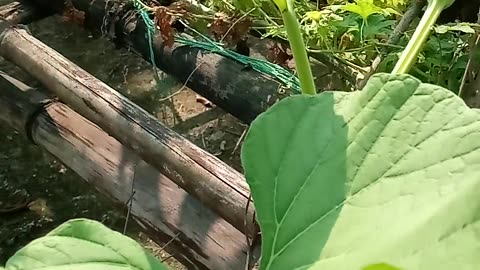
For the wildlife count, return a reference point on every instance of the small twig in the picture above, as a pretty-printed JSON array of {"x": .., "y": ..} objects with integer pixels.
[
  {"x": 236, "y": 22},
  {"x": 249, "y": 243},
  {"x": 364, "y": 48},
  {"x": 203, "y": 141},
  {"x": 167, "y": 258},
  {"x": 130, "y": 201},
  {"x": 17, "y": 207},
  {"x": 240, "y": 140},
  {"x": 125, "y": 74},
  {"x": 474, "y": 41},
  {"x": 233, "y": 132},
  {"x": 413, "y": 12},
  {"x": 174, "y": 93},
  {"x": 170, "y": 241}
]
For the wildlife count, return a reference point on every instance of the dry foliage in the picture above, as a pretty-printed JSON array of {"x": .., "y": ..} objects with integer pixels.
[
  {"x": 230, "y": 30},
  {"x": 281, "y": 54},
  {"x": 71, "y": 14}
]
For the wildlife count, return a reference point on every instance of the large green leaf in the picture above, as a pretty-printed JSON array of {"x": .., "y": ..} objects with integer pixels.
[
  {"x": 83, "y": 245},
  {"x": 385, "y": 176}
]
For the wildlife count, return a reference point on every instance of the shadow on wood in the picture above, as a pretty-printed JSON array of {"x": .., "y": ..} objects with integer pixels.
[
  {"x": 201, "y": 174},
  {"x": 204, "y": 241}
]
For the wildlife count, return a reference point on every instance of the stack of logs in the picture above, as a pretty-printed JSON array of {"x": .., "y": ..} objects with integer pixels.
[{"x": 98, "y": 133}]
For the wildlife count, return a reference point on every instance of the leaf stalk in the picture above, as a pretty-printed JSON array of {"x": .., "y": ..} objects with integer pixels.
[
  {"x": 299, "y": 50},
  {"x": 420, "y": 36}
]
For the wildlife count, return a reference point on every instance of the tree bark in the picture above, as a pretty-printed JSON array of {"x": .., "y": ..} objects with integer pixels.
[
  {"x": 201, "y": 174},
  {"x": 163, "y": 209}
]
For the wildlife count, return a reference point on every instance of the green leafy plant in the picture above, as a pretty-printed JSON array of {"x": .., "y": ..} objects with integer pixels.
[
  {"x": 389, "y": 182},
  {"x": 82, "y": 244},
  {"x": 365, "y": 8},
  {"x": 335, "y": 28}
]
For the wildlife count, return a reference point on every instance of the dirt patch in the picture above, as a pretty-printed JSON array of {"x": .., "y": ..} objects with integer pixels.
[{"x": 57, "y": 193}]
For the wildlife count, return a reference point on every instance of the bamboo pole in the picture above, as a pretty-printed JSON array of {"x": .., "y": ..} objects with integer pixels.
[
  {"x": 201, "y": 174},
  {"x": 164, "y": 210}
]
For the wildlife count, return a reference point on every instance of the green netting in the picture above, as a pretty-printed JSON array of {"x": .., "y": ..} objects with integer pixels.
[{"x": 283, "y": 75}]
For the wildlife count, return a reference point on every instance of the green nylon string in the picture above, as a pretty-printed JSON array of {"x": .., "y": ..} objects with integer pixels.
[
  {"x": 149, "y": 23},
  {"x": 262, "y": 66}
]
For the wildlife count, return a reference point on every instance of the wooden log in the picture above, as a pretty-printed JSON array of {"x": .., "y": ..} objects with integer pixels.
[
  {"x": 237, "y": 89},
  {"x": 201, "y": 174},
  {"x": 15, "y": 12},
  {"x": 241, "y": 91},
  {"x": 204, "y": 241}
]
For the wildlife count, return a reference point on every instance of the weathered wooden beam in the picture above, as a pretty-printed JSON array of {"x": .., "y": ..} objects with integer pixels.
[
  {"x": 15, "y": 12},
  {"x": 202, "y": 240},
  {"x": 201, "y": 174}
]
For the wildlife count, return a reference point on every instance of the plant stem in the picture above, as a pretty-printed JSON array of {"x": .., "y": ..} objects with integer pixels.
[
  {"x": 420, "y": 36},
  {"x": 298, "y": 49},
  {"x": 361, "y": 31}
]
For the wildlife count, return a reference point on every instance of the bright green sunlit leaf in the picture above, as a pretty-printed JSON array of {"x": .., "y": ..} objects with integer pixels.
[
  {"x": 389, "y": 174},
  {"x": 83, "y": 245}
]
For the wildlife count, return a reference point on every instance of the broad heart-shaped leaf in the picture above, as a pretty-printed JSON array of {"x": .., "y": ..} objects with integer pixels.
[
  {"x": 389, "y": 175},
  {"x": 82, "y": 244}
]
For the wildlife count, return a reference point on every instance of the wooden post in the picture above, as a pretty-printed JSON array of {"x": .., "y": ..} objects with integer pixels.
[
  {"x": 201, "y": 174},
  {"x": 202, "y": 240}
]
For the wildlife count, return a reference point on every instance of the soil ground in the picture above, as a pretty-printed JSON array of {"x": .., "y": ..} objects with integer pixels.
[{"x": 59, "y": 194}]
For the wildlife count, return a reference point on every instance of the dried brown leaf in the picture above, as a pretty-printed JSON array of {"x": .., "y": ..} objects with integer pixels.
[
  {"x": 230, "y": 30},
  {"x": 281, "y": 55},
  {"x": 71, "y": 14},
  {"x": 164, "y": 21}
]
